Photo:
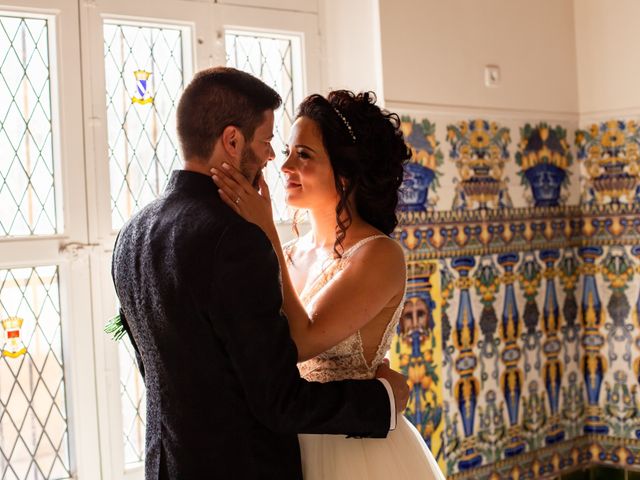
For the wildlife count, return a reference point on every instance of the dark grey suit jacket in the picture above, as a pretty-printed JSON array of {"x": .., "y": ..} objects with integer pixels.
[{"x": 200, "y": 293}]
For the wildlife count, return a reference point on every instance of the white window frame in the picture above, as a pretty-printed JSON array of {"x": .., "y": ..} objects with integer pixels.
[{"x": 69, "y": 249}]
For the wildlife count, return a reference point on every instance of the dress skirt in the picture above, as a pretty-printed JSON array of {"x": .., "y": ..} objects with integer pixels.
[{"x": 403, "y": 455}]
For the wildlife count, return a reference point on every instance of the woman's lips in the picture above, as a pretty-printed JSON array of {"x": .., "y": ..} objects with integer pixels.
[{"x": 291, "y": 185}]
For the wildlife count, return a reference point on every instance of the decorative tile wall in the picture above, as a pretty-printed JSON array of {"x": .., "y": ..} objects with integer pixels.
[{"x": 520, "y": 334}]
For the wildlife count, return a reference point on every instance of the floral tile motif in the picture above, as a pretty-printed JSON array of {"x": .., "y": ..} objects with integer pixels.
[
  {"x": 480, "y": 151},
  {"x": 609, "y": 152}
]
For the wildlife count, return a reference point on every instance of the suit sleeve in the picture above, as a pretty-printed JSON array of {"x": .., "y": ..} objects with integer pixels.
[
  {"x": 246, "y": 314},
  {"x": 123, "y": 318},
  {"x": 125, "y": 324}
]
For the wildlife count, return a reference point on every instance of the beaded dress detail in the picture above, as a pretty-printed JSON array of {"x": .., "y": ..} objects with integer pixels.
[{"x": 345, "y": 360}]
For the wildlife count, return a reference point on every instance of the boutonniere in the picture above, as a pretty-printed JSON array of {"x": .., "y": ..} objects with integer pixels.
[{"x": 115, "y": 328}]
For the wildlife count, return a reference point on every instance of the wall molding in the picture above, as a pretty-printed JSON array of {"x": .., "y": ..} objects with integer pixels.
[
  {"x": 596, "y": 116},
  {"x": 580, "y": 118},
  {"x": 479, "y": 111}
]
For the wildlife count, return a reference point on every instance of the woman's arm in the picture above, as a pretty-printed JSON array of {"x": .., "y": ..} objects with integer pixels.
[{"x": 374, "y": 276}]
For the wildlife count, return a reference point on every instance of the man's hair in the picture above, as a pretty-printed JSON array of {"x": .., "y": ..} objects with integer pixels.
[{"x": 216, "y": 98}]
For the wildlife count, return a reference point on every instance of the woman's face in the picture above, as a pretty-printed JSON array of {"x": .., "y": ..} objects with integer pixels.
[{"x": 310, "y": 180}]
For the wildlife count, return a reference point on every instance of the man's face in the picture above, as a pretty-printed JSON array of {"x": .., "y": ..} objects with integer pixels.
[{"x": 258, "y": 152}]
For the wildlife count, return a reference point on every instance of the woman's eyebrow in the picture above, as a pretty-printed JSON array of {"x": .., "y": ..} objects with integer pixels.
[{"x": 305, "y": 146}]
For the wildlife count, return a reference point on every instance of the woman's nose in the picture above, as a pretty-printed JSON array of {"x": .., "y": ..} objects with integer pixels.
[{"x": 287, "y": 166}]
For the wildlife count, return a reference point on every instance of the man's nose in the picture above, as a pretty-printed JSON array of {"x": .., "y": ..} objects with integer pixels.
[{"x": 272, "y": 153}]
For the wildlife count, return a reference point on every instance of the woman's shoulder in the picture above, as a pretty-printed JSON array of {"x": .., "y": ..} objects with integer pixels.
[
  {"x": 379, "y": 261},
  {"x": 378, "y": 251}
]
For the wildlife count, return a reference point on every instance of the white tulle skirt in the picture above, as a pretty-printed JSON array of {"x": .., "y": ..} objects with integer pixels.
[{"x": 403, "y": 455}]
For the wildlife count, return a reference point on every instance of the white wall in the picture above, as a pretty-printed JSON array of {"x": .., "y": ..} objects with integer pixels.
[
  {"x": 608, "y": 56},
  {"x": 434, "y": 53},
  {"x": 351, "y": 40}
]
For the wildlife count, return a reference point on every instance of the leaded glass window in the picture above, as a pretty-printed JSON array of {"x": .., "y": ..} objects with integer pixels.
[
  {"x": 144, "y": 79},
  {"x": 134, "y": 408},
  {"x": 33, "y": 414},
  {"x": 27, "y": 174},
  {"x": 276, "y": 60}
]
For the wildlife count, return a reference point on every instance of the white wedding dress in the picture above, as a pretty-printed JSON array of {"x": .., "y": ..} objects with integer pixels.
[{"x": 403, "y": 455}]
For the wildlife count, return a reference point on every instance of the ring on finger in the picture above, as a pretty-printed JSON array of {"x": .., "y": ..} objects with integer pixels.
[{"x": 237, "y": 200}]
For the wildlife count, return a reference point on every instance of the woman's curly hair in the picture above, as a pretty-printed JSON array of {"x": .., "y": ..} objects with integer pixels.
[{"x": 371, "y": 166}]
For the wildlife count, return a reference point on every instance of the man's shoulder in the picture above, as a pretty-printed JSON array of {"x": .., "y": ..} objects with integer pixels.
[
  {"x": 182, "y": 210},
  {"x": 244, "y": 243},
  {"x": 140, "y": 216},
  {"x": 242, "y": 233}
]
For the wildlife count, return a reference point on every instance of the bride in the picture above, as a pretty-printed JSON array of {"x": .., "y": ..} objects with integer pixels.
[{"x": 343, "y": 282}]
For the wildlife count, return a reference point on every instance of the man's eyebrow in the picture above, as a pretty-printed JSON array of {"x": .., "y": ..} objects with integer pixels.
[{"x": 300, "y": 145}]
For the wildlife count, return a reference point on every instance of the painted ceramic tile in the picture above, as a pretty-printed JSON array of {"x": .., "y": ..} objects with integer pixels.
[
  {"x": 417, "y": 353},
  {"x": 539, "y": 304},
  {"x": 418, "y": 192},
  {"x": 609, "y": 153},
  {"x": 479, "y": 149},
  {"x": 544, "y": 159}
]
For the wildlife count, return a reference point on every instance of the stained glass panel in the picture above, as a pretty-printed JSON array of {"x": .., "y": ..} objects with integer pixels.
[
  {"x": 33, "y": 414},
  {"x": 144, "y": 79}
]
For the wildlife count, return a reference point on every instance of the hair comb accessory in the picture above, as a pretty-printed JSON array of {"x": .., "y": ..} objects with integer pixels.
[{"x": 346, "y": 124}]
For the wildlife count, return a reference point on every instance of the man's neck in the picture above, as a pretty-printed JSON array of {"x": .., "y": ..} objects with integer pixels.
[{"x": 199, "y": 166}]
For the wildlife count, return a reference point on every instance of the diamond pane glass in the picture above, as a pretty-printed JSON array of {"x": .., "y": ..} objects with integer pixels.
[
  {"x": 27, "y": 186},
  {"x": 33, "y": 415},
  {"x": 144, "y": 79},
  {"x": 270, "y": 58},
  {"x": 133, "y": 405}
]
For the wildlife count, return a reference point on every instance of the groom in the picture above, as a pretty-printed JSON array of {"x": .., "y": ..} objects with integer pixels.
[{"x": 200, "y": 297}]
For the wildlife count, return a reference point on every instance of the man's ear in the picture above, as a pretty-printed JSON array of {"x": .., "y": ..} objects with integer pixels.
[{"x": 232, "y": 141}]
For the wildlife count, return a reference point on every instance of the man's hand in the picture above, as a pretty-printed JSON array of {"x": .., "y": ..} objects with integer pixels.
[{"x": 398, "y": 384}]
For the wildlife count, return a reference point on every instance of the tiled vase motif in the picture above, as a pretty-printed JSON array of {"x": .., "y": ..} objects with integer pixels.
[
  {"x": 544, "y": 158},
  {"x": 480, "y": 151},
  {"x": 421, "y": 172}
]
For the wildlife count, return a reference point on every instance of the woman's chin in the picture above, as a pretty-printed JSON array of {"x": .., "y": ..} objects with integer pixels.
[{"x": 293, "y": 201}]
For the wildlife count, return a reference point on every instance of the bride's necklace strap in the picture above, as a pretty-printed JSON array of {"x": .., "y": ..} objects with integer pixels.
[
  {"x": 291, "y": 243},
  {"x": 287, "y": 249},
  {"x": 356, "y": 246}
]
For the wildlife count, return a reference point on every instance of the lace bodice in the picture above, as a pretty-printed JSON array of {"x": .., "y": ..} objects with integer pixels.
[{"x": 345, "y": 360}]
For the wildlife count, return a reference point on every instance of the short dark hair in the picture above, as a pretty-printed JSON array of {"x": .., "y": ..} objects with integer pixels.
[
  {"x": 367, "y": 152},
  {"x": 216, "y": 98}
]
